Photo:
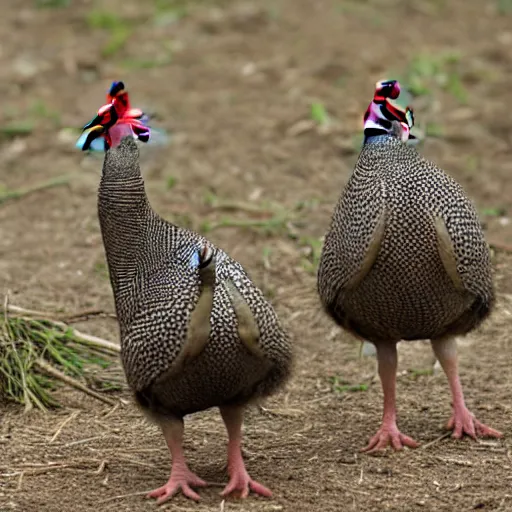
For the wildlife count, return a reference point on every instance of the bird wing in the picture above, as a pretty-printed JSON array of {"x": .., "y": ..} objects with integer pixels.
[
  {"x": 461, "y": 241},
  {"x": 354, "y": 239}
]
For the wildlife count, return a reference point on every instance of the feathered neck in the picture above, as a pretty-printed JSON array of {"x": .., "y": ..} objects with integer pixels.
[{"x": 125, "y": 218}]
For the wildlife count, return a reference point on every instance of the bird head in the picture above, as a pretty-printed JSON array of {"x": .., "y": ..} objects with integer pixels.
[
  {"x": 114, "y": 121},
  {"x": 383, "y": 115}
]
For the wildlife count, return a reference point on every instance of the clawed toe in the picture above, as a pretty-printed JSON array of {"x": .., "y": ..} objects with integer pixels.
[
  {"x": 463, "y": 423},
  {"x": 174, "y": 485},
  {"x": 389, "y": 437},
  {"x": 242, "y": 484}
]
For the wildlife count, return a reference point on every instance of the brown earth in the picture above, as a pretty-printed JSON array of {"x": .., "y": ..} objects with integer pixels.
[{"x": 234, "y": 84}]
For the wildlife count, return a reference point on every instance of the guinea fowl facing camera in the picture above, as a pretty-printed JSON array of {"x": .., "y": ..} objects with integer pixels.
[
  {"x": 405, "y": 259},
  {"x": 195, "y": 331}
]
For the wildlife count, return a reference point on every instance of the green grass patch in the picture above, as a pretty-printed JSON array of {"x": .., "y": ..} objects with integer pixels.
[
  {"x": 171, "y": 182},
  {"x": 426, "y": 72},
  {"x": 118, "y": 28},
  {"x": 421, "y": 372},
  {"x": 10, "y": 195},
  {"x": 340, "y": 385},
  {"x": 319, "y": 113},
  {"x": 311, "y": 250},
  {"x": 504, "y": 7},
  {"x": 13, "y": 129},
  {"x": 52, "y": 4}
]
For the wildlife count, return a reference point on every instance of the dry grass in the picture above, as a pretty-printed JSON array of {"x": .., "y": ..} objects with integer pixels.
[{"x": 36, "y": 352}]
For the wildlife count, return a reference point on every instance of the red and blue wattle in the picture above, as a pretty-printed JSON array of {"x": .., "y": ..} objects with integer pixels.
[
  {"x": 114, "y": 121},
  {"x": 382, "y": 111}
]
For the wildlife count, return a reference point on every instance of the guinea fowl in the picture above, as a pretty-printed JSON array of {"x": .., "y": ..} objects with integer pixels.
[
  {"x": 405, "y": 259},
  {"x": 195, "y": 331}
]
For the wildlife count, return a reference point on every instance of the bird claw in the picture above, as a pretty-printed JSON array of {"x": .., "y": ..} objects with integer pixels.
[
  {"x": 463, "y": 422},
  {"x": 241, "y": 483},
  {"x": 389, "y": 435},
  {"x": 184, "y": 482}
]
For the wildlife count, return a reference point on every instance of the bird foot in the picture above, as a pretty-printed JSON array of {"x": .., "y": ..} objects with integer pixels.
[
  {"x": 464, "y": 422},
  {"x": 181, "y": 479},
  {"x": 241, "y": 483},
  {"x": 388, "y": 434}
]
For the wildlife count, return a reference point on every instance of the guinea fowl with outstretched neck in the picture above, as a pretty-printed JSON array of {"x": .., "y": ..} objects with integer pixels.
[
  {"x": 195, "y": 331},
  {"x": 405, "y": 258}
]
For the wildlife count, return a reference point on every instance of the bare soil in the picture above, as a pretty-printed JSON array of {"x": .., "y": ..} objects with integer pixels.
[{"x": 234, "y": 83}]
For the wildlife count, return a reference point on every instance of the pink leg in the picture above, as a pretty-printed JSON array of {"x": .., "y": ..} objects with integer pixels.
[
  {"x": 388, "y": 433},
  {"x": 462, "y": 420},
  {"x": 239, "y": 479},
  {"x": 181, "y": 477}
]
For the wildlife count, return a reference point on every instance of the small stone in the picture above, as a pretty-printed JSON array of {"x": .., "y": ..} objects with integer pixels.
[
  {"x": 249, "y": 69},
  {"x": 25, "y": 67}
]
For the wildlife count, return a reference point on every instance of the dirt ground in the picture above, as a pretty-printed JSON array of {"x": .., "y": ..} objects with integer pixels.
[{"x": 242, "y": 88}]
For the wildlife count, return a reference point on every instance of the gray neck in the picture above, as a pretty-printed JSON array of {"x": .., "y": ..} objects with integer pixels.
[
  {"x": 377, "y": 150},
  {"x": 125, "y": 217}
]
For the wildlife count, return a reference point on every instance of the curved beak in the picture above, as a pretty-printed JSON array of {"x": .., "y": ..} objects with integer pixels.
[
  {"x": 107, "y": 116},
  {"x": 91, "y": 124},
  {"x": 89, "y": 135}
]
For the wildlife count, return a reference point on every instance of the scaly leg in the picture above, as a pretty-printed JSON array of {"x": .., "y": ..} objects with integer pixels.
[
  {"x": 388, "y": 433},
  {"x": 181, "y": 476},
  {"x": 462, "y": 420},
  {"x": 239, "y": 479}
]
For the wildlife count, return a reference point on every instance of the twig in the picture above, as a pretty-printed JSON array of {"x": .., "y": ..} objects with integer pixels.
[
  {"x": 10, "y": 195},
  {"x": 20, "y": 481},
  {"x": 11, "y": 308},
  {"x": 61, "y": 316},
  {"x": 82, "y": 441},
  {"x": 87, "y": 338},
  {"x": 440, "y": 438},
  {"x": 101, "y": 467},
  {"x": 50, "y": 370},
  {"x": 113, "y": 410},
  {"x": 32, "y": 465},
  {"x": 219, "y": 204},
  {"x": 364, "y": 493},
  {"x": 45, "y": 469},
  {"x": 245, "y": 223},
  {"x": 96, "y": 341},
  {"x": 62, "y": 425},
  {"x": 122, "y": 496},
  {"x": 36, "y": 471},
  {"x": 287, "y": 412},
  {"x": 136, "y": 462},
  {"x": 87, "y": 315},
  {"x": 455, "y": 461}
]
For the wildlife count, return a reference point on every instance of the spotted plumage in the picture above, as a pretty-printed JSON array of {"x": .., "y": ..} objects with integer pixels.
[
  {"x": 154, "y": 268},
  {"x": 407, "y": 293},
  {"x": 195, "y": 331},
  {"x": 405, "y": 257}
]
